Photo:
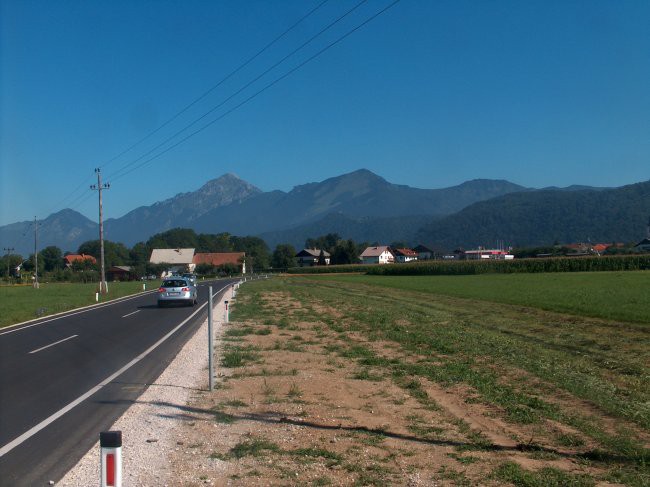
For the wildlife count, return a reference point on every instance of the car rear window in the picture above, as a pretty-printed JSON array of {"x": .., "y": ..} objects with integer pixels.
[{"x": 174, "y": 283}]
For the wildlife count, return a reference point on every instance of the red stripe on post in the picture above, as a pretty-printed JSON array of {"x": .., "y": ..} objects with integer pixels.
[{"x": 110, "y": 469}]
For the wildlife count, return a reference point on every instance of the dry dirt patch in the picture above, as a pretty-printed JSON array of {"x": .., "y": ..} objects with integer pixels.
[{"x": 298, "y": 411}]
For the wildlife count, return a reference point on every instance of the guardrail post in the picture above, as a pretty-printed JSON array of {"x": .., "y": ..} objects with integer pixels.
[
  {"x": 210, "y": 350},
  {"x": 110, "y": 443}
]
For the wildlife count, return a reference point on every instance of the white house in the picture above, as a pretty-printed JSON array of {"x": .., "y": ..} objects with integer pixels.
[
  {"x": 178, "y": 259},
  {"x": 377, "y": 255},
  {"x": 405, "y": 255}
]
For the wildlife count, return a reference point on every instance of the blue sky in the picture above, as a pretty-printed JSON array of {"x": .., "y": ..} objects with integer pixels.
[{"x": 428, "y": 94}]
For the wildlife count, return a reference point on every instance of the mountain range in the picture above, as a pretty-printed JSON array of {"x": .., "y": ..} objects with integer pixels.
[{"x": 365, "y": 207}]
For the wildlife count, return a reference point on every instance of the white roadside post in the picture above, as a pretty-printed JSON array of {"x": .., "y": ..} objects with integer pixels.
[
  {"x": 210, "y": 351},
  {"x": 110, "y": 443},
  {"x": 226, "y": 312}
]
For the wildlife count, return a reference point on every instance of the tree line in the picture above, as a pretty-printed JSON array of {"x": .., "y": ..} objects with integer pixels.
[
  {"x": 51, "y": 259},
  {"x": 258, "y": 255}
]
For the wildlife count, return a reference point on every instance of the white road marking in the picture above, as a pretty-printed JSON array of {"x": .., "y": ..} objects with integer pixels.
[
  {"x": 131, "y": 314},
  {"x": 46, "y": 422},
  {"x": 52, "y": 344}
]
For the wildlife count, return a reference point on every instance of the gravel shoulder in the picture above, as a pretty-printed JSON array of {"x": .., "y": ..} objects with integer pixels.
[{"x": 149, "y": 425}]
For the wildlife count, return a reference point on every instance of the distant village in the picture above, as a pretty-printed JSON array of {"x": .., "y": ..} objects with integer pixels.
[
  {"x": 385, "y": 254},
  {"x": 326, "y": 250}
]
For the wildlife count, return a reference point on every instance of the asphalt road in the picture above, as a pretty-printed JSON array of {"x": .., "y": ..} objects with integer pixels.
[{"x": 65, "y": 379}]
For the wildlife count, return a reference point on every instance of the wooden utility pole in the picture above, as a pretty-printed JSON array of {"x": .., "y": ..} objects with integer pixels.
[
  {"x": 103, "y": 287},
  {"x": 9, "y": 250},
  {"x": 35, "y": 253}
]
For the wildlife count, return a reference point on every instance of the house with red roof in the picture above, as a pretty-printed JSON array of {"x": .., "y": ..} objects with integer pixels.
[
  {"x": 405, "y": 255},
  {"x": 220, "y": 258},
  {"x": 72, "y": 258}
]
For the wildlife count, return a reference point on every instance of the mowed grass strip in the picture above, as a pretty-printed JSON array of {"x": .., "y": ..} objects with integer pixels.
[
  {"x": 608, "y": 295},
  {"x": 523, "y": 361},
  {"x": 23, "y": 303}
]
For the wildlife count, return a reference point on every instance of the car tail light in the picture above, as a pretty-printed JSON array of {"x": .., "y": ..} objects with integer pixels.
[
  {"x": 161, "y": 289},
  {"x": 186, "y": 289}
]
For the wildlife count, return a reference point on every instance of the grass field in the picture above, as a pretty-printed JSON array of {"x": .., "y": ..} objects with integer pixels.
[
  {"x": 527, "y": 348},
  {"x": 610, "y": 295},
  {"x": 23, "y": 303}
]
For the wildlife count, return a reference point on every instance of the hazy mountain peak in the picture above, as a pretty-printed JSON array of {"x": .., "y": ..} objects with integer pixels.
[
  {"x": 359, "y": 176},
  {"x": 228, "y": 183}
]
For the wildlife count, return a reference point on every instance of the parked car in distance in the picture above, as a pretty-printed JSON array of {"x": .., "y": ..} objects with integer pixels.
[
  {"x": 191, "y": 277},
  {"x": 177, "y": 290}
]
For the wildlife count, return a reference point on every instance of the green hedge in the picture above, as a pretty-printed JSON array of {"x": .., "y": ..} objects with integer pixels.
[
  {"x": 559, "y": 264},
  {"x": 466, "y": 267}
]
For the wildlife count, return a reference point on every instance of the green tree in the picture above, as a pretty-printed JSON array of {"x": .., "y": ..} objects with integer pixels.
[
  {"x": 29, "y": 264},
  {"x": 284, "y": 257},
  {"x": 176, "y": 238},
  {"x": 84, "y": 265},
  {"x": 220, "y": 242},
  {"x": 139, "y": 254},
  {"x": 324, "y": 242},
  {"x": 257, "y": 252},
  {"x": 205, "y": 270},
  {"x": 345, "y": 252},
  {"x": 52, "y": 258},
  {"x": 114, "y": 253},
  {"x": 227, "y": 269}
]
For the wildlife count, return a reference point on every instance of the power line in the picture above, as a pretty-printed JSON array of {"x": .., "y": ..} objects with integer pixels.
[
  {"x": 254, "y": 95},
  {"x": 64, "y": 199},
  {"x": 223, "y": 80},
  {"x": 191, "y": 104},
  {"x": 116, "y": 174},
  {"x": 124, "y": 170}
]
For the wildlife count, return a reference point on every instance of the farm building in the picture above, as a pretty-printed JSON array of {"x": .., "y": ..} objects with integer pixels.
[
  {"x": 377, "y": 255},
  {"x": 405, "y": 255},
  {"x": 310, "y": 257},
  {"x": 180, "y": 260},
  {"x": 220, "y": 258}
]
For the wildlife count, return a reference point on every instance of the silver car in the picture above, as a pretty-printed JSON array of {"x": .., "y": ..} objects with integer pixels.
[
  {"x": 177, "y": 290},
  {"x": 190, "y": 277}
]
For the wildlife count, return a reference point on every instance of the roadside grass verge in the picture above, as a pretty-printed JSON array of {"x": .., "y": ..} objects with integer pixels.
[
  {"x": 23, "y": 303},
  {"x": 534, "y": 366}
]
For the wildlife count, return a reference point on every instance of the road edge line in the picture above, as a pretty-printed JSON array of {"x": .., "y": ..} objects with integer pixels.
[{"x": 49, "y": 420}]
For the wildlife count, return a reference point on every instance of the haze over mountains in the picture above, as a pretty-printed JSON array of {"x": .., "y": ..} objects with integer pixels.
[{"x": 366, "y": 207}]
